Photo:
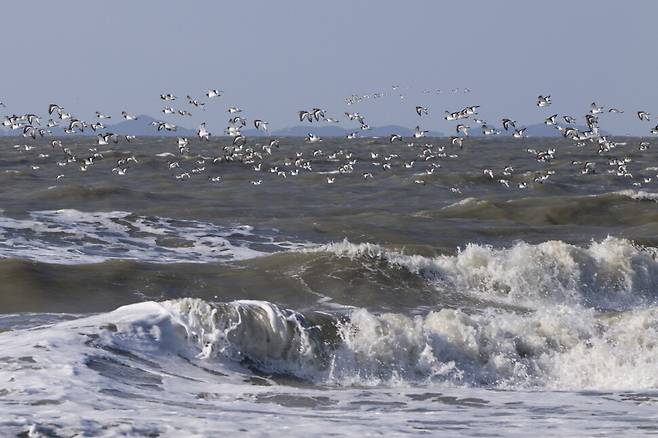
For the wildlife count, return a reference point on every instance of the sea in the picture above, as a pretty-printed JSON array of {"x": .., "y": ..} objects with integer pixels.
[{"x": 340, "y": 288}]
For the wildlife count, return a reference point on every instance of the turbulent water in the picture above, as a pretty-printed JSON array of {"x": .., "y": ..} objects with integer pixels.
[{"x": 443, "y": 303}]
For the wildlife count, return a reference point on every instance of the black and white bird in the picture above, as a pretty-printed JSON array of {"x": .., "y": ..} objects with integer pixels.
[
  {"x": 595, "y": 109},
  {"x": 355, "y": 116},
  {"x": 457, "y": 141},
  {"x": 418, "y": 133},
  {"x": 317, "y": 114},
  {"x": 213, "y": 93},
  {"x": 543, "y": 101},
  {"x": 643, "y": 115},
  {"x": 394, "y": 137},
  {"x": 312, "y": 138},
  {"x": 127, "y": 116},
  {"x": 202, "y": 132},
  {"x": 260, "y": 124},
  {"x": 54, "y": 107},
  {"x": 519, "y": 133},
  {"x": 421, "y": 110},
  {"x": 304, "y": 115},
  {"x": 507, "y": 123},
  {"x": 165, "y": 126}
]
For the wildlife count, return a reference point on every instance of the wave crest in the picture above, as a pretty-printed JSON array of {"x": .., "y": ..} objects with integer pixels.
[{"x": 613, "y": 273}]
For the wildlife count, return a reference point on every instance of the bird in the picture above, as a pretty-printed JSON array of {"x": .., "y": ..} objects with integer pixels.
[
  {"x": 312, "y": 138},
  {"x": 202, "y": 132},
  {"x": 317, "y": 114},
  {"x": 457, "y": 141},
  {"x": 543, "y": 101},
  {"x": 54, "y": 107},
  {"x": 166, "y": 126},
  {"x": 643, "y": 115},
  {"x": 127, "y": 116},
  {"x": 595, "y": 109},
  {"x": 418, "y": 133},
  {"x": 304, "y": 115},
  {"x": 421, "y": 110},
  {"x": 519, "y": 133},
  {"x": 213, "y": 93},
  {"x": 507, "y": 123},
  {"x": 260, "y": 124},
  {"x": 394, "y": 137}
]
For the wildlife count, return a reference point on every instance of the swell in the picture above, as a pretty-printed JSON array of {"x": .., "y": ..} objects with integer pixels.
[
  {"x": 299, "y": 280},
  {"x": 611, "y": 274},
  {"x": 614, "y": 209}
]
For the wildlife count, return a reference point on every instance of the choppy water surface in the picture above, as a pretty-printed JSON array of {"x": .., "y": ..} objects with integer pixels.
[{"x": 411, "y": 302}]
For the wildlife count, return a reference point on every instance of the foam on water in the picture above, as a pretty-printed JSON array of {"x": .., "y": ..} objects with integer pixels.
[
  {"x": 613, "y": 273},
  {"x": 74, "y": 237},
  {"x": 570, "y": 319},
  {"x": 215, "y": 363},
  {"x": 639, "y": 195}
]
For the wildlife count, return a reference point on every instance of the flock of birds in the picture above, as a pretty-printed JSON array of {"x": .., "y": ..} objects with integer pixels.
[{"x": 240, "y": 149}]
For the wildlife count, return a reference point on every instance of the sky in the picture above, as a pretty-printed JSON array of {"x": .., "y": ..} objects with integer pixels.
[{"x": 273, "y": 58}]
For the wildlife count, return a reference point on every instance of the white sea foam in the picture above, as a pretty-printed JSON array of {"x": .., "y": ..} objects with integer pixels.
[
  {"x": 73, "y": 237},
  {"x": 559, "y": 347},
  {"x": 639, "y": 195},
  {"x": 214, "y": 361},
  {"x": 465, "y": 202},
  {"x": 613, "y": 273},
  {"x": 186, "y": 356}
]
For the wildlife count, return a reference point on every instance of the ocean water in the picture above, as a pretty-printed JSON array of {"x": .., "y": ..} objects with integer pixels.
[{"x": 428, "y": 299}]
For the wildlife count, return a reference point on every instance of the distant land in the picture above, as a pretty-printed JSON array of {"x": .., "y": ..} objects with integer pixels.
[{"x": 142, "y": 127}]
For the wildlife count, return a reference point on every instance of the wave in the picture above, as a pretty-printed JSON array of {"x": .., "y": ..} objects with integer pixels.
[
  {"x": 72, "y": 237},
  {"x": 560, "y": 347},
  {"x": 638, "y": 195},
  {"x": 611, "y": 209},
  {"x": 611, "y": 274}
]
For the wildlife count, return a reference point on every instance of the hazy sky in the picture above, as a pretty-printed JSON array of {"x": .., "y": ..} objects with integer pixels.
[{"x": 273, "y": 58}]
